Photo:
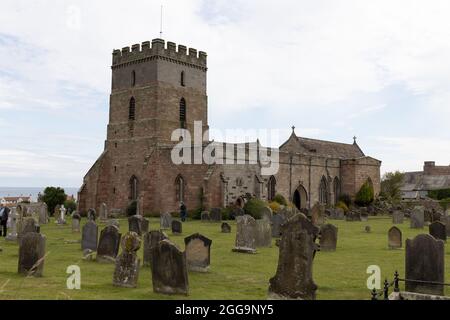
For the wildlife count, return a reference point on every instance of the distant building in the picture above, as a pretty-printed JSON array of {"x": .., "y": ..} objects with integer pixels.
[
  {"x": 417, "y": 184},
  {"x": 12, "y": 201}
]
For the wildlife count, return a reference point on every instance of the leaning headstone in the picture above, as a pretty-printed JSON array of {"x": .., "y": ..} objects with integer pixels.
[
  {"x": 177, "y": 227},
  {"x": 318, "y": 214},
  {"x": 198, "y": 252},
  {"x": 394, "y": 238},
  {"x": 328, "y": 237},
  {"x": 425, "y": 262},
  {"x": 437, "y": 230},
  {"x": 31, "y": 254},
  {"x": 205, "y": 216},
  {"x": 417, "y": 218},
  {"x": 293, "y": 279},
  {"x": 108, "y": 244},
  {"x": 277, "y": 221},
  {"x": 91, "y": 215},
  {"x": 169, "y": 269},
  {"x": 151, "y": 239},
  {"x": 76, "y": 219},
  {"x": 245, "y": 234},
  {"x": 89, "y": 236},
  {"x": 226, "y": 228},
  {"x": 12, "y": 226},
  {"x": 266, "y": 213},
  {"x": 126, "y": 273},
  {"x": 397, "y": 217},
  {"x": 166, "y": 220},
  {"x": 43, "y": 213},
  {"x": 103, "y": 213},
  {"x": 263, "y": 233},
  {"x": 136, "y": 224},
  {"x": 216, "y": 215}
]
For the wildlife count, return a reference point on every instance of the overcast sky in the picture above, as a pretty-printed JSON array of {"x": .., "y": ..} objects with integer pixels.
[{"x": 375, "y": 69}]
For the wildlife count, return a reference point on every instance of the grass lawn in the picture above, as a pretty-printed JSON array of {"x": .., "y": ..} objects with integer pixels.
[{"x": 339, "y": 275}]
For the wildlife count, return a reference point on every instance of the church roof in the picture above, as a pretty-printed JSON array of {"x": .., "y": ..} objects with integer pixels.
[{"x": 323, "y": 148}]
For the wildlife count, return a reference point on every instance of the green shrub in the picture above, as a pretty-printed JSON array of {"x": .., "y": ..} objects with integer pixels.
[
  {"x": 195, "y": 214},
  {"x": 131, "y": 208},
  {"x": 441, "y": 194},
  {"x": 70, "y": 205},
  {"x": 445, "y": 203},
  {"x": 253, "y": 207},
  {"x": 227, "y": 213},
  {"x": 342, "y": 205},
  {"x": 365, "y": 195},
  {"x": 280, "y": 199},
  {"x": 346, "y": 199}
]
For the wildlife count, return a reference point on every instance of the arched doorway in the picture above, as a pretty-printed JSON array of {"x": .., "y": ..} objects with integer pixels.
[{"x": 300, "y": 198}]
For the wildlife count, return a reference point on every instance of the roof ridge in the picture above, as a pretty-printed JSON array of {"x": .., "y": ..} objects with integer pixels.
[{"x": 321, "y": 140}]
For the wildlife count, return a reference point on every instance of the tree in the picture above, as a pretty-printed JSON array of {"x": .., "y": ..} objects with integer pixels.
[
  {"x": 70, "y": 205},
  {"x": 53, "y": 196},
  {"x": 391, "y": 184},
  {"x": 365, "y": 195}
]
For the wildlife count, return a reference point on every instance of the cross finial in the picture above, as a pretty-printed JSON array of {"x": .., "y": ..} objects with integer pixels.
[
  {"x": 293, "y": 129},
  {"x": 354, "y": 139}
]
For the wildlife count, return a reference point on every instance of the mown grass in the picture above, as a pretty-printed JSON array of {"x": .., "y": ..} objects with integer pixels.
[{"x": 339, "y": 275}]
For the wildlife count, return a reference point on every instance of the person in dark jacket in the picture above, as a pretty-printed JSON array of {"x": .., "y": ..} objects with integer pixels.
[
  {"x": 4, "y": 213},
  {"x": 183, "y": 211}
]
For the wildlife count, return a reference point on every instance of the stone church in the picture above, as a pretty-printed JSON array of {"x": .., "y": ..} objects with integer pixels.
[{"x": 159, "y": 87}]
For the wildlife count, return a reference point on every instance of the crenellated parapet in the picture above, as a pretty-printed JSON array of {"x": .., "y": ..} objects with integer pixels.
[{"x": 158, "y": 49}]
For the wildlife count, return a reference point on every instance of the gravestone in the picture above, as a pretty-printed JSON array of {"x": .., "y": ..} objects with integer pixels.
[
  {"x": 205, "y": 216},
  {"x": 447, "y": 222},
  {"x": 328, "y": 237},
  {"x": 12, "y": 226},
  {"x": 216, "y": 214},
  {"x": 198, "y": 252},
  {"x": 424, "y": 261},
  {"x": 337, "y": 214},
  {"x": 43, "y": 213},
  {"x": 151, "y": 239},
  {"x": 294, "y": 276},
  {"x": 277, "y": 222},
  {"x": 263, "y": 233},
  {"x": 126, "y": 273},
  {"x": 138, "y": 224},
  {"x": 169, "y": 269},
  {"x": 364, "y": 217},
  {"x": 226, "y": 228},
  {"x": 437, "y": 230},
  {"x": 113, "y": 222},
  {"x": 367, "y": 229},
  {"x": 397, "y": 217},
  {"x": 318, "y": 214},
  {"x": 245, "y": 234},
  {"x": 29, "y": 225},
  {"x": 353, "y": 216},
  {"x": 103, "y": 212},
  {"x": 417, "y": 218},
  {"x": 31, "y": 254},
  {"x": 394, "y": 238},
  {"x": 62, "y": 216},
  {"x": 266, "y": 213},
  {"x": 76, "y": 224},
  {"x": 166, "y": 220},
  {"x": 108, "y": 244},
  {"x": 89, "y": 236},
  {"x": 177, "y": 227},
  {"x": 92, "y": 215}
]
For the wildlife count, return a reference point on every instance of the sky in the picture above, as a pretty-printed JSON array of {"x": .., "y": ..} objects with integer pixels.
[{"x": 377, "y": 70}]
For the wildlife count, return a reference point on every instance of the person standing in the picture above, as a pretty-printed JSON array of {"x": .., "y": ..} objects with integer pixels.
[
  {"x": 4, "y": 213},
  {"x": 183, "y": 211}
]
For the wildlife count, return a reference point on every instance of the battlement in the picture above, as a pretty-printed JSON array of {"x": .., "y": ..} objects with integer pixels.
[{"x": 158, "y": 48}]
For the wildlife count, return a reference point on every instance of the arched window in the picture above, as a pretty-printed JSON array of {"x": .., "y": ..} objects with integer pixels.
[
  {"x": 182, "y": 113},
  {"x": 132, "y": 110},
  {"x": 179, "y": 188},
  {"x": 271, "y": 188},
  {"x": 182, "y": 82},
  {"x": 133, "y": 78},
  {"x": 337, "y": 190},
  {"x": 134, "y": 188},
  {"x": 323, "y": 191}
]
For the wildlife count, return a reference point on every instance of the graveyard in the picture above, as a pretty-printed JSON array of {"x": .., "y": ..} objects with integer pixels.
[{"x": 339, "y": 275}]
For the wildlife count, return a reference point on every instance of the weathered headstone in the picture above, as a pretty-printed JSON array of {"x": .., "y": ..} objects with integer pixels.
[
  {"x": 126, "y": 273},
  {"x": 113, "y": 222},
  {"x": 103, "y": 212},
  {"x": 89, "y": 236},
  {"x": 31, "y": 254},
  {"x": 29, "y": 225},
  {"x": 12, "y": 226},
  {"x": 266, "y": 213},
  {"x": 226, "y": 228},
  {"x": 216, "y": 215},
  {"x": 437, "y": 230},
  {"x": 425, "y": 262},
  {"x": 166, "y": 220},
  {"x": 177, "y": 227},
  {"x": 151, "y": 239},
  {"x": 397, "y": 217},
  {"x": 277, "y": 221},
  {"x": 245, "y": 234},
  {"x": 263, "y": 233},
  {"x": 394, "y": 238},
  {"x": 364, "y": 217},
  {"x": 205, "y": 216},
  {"x": 43, "y": 213},
  {"x": 108, "y": 244},
  {"x": 138, "y": 224},
  {"x": 293, "y": 279},
  {"x": 62, "y": 216},
  {"x": 337, "y": 214},
  {"x": 169, "y": 269},
  {"x": 76, "y": 219},
  {"x": 318, "y": 214},
  {"x": 353, "y": 215},
  {"x": 198, "y": 252},
  {"x": 91, "y": 215},
  {"x": 328, "y": 237},
  {"x": 417, "y": 218}
]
